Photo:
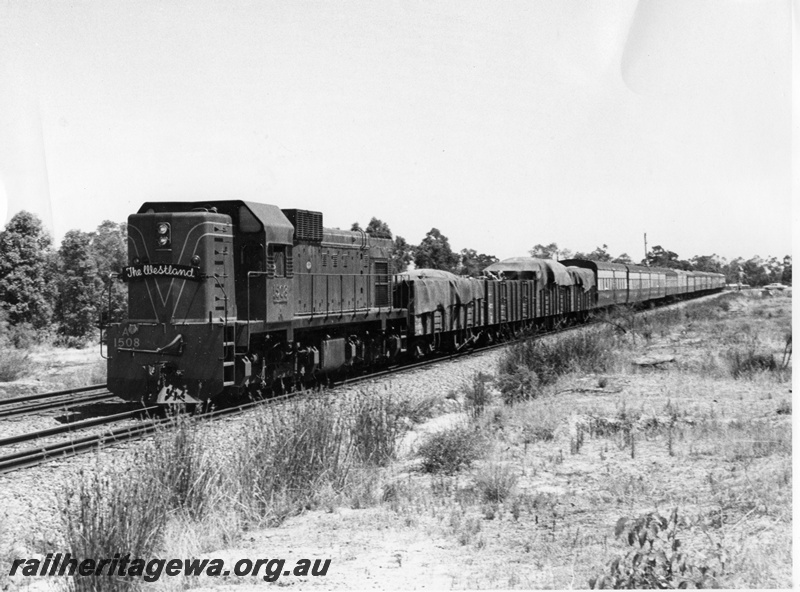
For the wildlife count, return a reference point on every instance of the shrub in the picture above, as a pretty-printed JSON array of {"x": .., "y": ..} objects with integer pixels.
[
  {"x": 23, "y": 336},
  {"x": 656, "y": 559},
  {"x": 449, "y": 450},
  {"x": 517, "y": 383},
  {"x": 533, "y": 363},
  {"x": 14, "y": 364},
  {"x": 745, "y": 364}
]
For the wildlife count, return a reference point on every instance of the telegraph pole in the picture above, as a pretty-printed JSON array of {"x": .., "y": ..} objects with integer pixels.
[{"x": 646, "y": 261}]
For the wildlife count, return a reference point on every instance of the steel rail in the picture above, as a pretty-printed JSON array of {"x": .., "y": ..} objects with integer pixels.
[
  {"x": 37, "y": 456},
  {"x": 25, "y": 409},
  {"x": 76, "y": 426},
  {"x": 36, "y": 397}
]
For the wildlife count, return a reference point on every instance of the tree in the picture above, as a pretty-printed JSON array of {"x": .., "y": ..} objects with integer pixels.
[
  {"x": 402, "y": 255},
  {"x": 624, "y": 258},
  {"x": 599, "y": 254},
  {"x": 434, "y": 252},
  {"x": 733, "y": 271},
  {"x": 378, "y": 229},
  {"x": 25, "y": 292},
  {"x": 755, "y": 272},
  {"x": 786, "y": 275},
  {"x": 471, "y": 263},
  {"x": 109, "y": 248},
  {"x": 550, "y": 251},
  {"x": 79, "y": 285},
  {"x": 661, "y": 257},
  {"x": 710, "y": 263}
]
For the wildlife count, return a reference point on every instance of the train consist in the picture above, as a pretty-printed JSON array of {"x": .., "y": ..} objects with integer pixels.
[{"x": 238, "y": 298}]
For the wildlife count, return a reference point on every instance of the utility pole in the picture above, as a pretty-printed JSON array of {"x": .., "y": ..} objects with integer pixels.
[{"x": 646, "y": 261}]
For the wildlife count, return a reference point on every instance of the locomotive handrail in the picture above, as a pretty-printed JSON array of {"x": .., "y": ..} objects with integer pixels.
[
  {"x": 112, "y": 276},
  {"x": 178, "y": 341}
]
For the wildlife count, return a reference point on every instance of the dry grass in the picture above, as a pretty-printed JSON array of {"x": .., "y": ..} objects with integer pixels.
[
  {"x": 522, "y": 495},
  {"x": 590, "y": 451}
]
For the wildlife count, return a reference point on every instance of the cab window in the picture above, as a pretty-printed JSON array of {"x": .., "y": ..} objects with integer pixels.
[{"x": 276, "y": 255}]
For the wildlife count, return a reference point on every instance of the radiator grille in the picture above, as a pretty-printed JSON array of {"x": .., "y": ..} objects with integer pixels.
[{"x": 307, "y": 225}]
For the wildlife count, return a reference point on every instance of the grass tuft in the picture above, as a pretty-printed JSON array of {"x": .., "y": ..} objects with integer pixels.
[
  {"x": 376, "y": 429},
  {"x": 495, "y": 482},
  {"x": 111, "y": 510}
]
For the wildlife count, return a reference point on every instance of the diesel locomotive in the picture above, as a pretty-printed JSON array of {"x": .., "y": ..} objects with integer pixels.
[{"x": 230, "y": 298}]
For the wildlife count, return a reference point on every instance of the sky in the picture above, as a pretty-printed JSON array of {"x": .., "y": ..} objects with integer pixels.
[{"x": 503, "y": 124}]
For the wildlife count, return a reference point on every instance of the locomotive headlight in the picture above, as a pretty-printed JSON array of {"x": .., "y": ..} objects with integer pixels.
[{"x": 163, "y": 232}]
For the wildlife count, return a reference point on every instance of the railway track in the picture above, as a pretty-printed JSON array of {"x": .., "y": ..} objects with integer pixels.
[
  {"x": 27, "y": 404},
  {"x": 40, "y": 455}
]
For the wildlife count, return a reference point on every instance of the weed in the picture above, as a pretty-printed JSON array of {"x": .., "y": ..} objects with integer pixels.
[
  {"x": 449, "y": 450},
  {"x": 784, "y": 407}
]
